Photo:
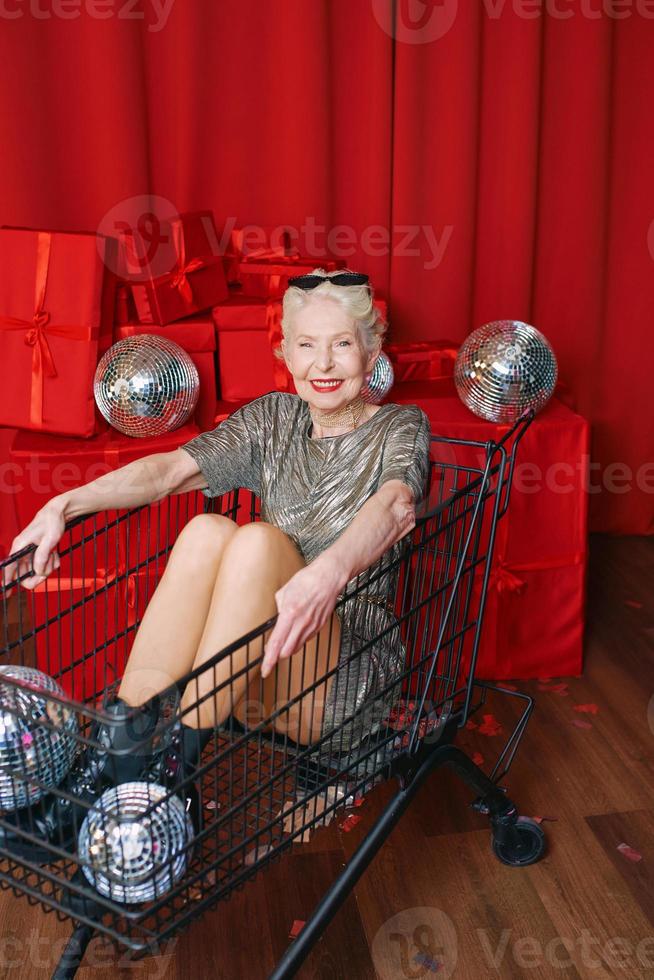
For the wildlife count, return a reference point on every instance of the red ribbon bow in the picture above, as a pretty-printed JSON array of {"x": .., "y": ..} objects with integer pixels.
[{"x": 179, "y": 279}]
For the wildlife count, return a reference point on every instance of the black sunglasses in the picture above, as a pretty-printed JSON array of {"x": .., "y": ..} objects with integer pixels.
[{"x": 340, "y": 279}]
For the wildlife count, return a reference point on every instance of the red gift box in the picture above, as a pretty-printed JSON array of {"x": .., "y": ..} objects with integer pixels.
[
  {"x": 265, "y": 271},
  {"x": 249, "y": 329},
  {"x": 534, "y": 614},
  {"x": 267, "y": 276},
  {"x": 198, "y": 338},
  {"x": 422, "y": 360},
  {"x": 193, "y": 277},
  {"x": 56, "y": 311}
]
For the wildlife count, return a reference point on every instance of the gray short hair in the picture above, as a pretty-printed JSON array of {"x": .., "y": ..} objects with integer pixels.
[{"x": 356, "y": 301}]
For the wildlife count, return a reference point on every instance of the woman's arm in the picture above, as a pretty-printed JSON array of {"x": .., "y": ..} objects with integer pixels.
[
  {"x": 384, "y": 518},
  {"x": 308, "y": 599},
  {"x": 145, "y": 481},
  {"x": 142, "y": 482}
]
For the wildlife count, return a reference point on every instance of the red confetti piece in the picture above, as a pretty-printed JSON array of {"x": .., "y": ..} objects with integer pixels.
[
  {"x": 296, "y": 928},
  {"x": 587, "y": 709},
  {"x": 490, "y": 726},
  {"x": 578, "y": 723},
  {"x": 478, "y": 759},
  {"x": 540, "y": 819},
  {"x": 359, "y": 801},
  {"x": 633, "y": 603},
  {"x": 629, "y": 852},
  {"x": 211, "y": 805},
  {"x": 350, "y": 822}
]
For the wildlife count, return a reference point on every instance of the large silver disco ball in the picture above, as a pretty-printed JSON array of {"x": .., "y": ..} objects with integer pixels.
[
  {"x": 135, "y": 842},
  {"x": 30, "y": 749},
  {"x": 146, "y": 385},
  {"x": 503, "y": 369},
  {"x": 380, "y": 382}
]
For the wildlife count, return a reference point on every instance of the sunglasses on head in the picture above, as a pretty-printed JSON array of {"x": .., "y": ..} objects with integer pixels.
[{"x": 340, "y": 279}]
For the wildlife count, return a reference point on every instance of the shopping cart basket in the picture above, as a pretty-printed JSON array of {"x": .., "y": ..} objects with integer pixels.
[{"x": 140, "y": 874}]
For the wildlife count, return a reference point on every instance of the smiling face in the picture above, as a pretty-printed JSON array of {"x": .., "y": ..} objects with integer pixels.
[{"x": 325, "y": 356}]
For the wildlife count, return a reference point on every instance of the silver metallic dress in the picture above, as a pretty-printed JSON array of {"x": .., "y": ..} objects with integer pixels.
[{"x": 311, "y": 489}]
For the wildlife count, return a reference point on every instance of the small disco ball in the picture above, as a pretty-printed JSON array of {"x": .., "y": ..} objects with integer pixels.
[
  {"x": 503, "y": 369},
  {"x": 134, "y": 842},
  {"x": 146, "y": 385},
  {"x": 29, "y": 749},
  {"x": 381, "y": 381}
]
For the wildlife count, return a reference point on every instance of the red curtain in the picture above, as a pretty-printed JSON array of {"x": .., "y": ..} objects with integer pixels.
[{"x": 481, "y": 160}]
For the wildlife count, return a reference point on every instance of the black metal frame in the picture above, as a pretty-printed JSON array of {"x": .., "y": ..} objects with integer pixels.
[{"x": 266, "y": 789}]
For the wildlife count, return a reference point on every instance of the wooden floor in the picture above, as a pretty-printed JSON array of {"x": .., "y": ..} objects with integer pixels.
[{"x": 436, "y": 902}]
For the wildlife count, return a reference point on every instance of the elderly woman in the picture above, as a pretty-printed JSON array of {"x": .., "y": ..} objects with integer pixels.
[{"x": 338, "y": 481}]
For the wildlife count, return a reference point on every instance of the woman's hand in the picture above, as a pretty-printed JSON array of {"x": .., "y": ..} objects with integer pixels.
[
  {"x": 304, "y": 604},
  {"x": 44, "y": 531}
]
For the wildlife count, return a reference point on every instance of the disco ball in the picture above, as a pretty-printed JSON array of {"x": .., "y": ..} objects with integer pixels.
[
  {"x": 503, "y": 369},
  {"x": 380, "y": 382},
  {"x": 134, "y": 842},
  {"x": 146, "y": 385},
  {"x": 30, "y": 749}
]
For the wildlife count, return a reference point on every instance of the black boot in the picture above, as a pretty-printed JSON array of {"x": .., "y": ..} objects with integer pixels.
[
  {"x": 181, "y": 764},
  {"x": 129, "y": 736}
]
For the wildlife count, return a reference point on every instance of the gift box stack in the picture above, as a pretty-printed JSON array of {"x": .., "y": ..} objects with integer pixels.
[{"x": 63, "y": 302}]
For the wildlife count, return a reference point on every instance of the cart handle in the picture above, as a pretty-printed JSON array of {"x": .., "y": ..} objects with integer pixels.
[{"x": 515, "y": 433}]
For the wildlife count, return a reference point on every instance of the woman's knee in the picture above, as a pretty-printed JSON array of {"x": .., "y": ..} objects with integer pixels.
[
  {"x": 202, "y": 541},
  {"x": 260, "y": 540}
]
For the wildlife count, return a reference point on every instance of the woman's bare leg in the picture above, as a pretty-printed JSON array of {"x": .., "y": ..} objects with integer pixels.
[
  {"x": 255, "y": 563},
  {"x": 167, "y": 641}
]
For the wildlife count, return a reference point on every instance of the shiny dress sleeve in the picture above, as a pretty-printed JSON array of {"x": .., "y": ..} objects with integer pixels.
[
  {"x": 229, "y": 456},
  {"x": 406, "y": 451}
]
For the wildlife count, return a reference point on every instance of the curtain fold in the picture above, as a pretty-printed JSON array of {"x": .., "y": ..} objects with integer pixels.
[{"x": 499, "y": 169}]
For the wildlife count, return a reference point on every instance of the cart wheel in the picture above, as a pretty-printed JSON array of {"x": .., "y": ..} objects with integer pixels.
[{"x": 525, "y": 844}]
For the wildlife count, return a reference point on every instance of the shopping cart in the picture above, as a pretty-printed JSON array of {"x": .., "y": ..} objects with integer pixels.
[{"x": 141, "y": 874}]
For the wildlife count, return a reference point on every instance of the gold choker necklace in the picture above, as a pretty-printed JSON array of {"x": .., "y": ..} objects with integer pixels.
[{"x": 350, "y": 415}]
